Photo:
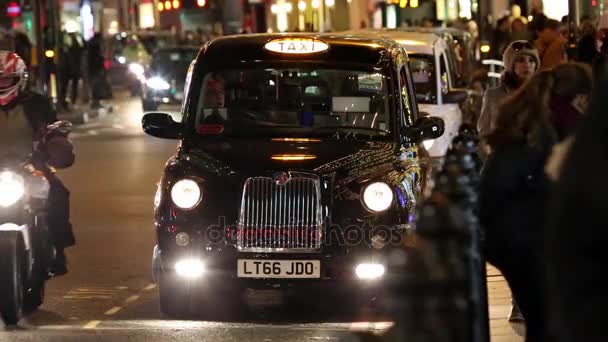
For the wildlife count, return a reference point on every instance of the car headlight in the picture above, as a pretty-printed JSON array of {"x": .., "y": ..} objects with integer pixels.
[
  {"x": 136, "y": 68},
  {"x": 12, "y": 188},
  {"x": 369, "y": 271},
  {"x": 186, "y": 194},
  {"x": 190, "y": 268},
  {"x": 428, "y": 143},
  {"x": 158, "y": 83},
  {"x": 378, "y": 197}
]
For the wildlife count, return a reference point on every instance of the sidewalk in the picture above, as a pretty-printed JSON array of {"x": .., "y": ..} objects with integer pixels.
[{"x": 499, "y": 298}]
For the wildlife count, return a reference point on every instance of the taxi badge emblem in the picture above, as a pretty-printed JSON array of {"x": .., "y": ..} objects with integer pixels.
[{"x": 281, "y": 178}]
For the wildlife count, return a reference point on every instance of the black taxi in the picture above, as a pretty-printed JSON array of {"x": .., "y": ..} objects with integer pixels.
[{"x": 298, "y": 165}]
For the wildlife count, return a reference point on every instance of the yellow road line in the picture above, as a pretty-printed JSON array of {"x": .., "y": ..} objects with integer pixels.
[
  {"x": 131, "y": 299},
  {"x": 91, "y": 325},
  {"x": 150, "y": 287},
  {"x": 113, "y": 310}
]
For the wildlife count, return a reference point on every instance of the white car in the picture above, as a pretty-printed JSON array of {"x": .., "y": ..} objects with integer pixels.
[{"x": 434, "y": 80}]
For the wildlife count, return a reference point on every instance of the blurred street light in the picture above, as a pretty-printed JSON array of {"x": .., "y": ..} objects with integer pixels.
[{"x": 302, "y": 5}]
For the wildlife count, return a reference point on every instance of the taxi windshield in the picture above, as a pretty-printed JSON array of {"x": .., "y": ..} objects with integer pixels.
[
  {"x": 296, "y": 101},
  {"x": 422, "y": 68}
]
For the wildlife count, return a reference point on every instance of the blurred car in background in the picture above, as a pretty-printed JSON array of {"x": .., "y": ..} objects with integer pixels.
[
  {"x": 129, "y": 53},
  {"x": 163, "y": 81}
]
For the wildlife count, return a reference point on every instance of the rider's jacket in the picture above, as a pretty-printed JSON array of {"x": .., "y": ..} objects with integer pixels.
[{"x": 22, "y": 123}]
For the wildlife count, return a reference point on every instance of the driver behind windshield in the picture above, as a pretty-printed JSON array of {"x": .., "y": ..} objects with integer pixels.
[{"x": 308, "y": 99}]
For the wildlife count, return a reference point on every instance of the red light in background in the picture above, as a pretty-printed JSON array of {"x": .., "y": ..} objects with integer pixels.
[
  {"x": 593, "y": 3},
  {"x": 107, "y": 64},
  {"x": 13, "y": 10}
]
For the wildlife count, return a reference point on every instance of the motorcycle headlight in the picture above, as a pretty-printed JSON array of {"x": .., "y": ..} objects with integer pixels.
[
  {"x": 136, "y": 68},
  {"x": 12, "y": 188},
  {"x": 158, "y": 83},
  {"x": 378, "y": 196},
  {"x": 186, "y": 194}
]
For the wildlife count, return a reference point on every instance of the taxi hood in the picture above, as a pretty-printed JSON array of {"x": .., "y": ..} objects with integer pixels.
[{"x": 248, "y": 157}]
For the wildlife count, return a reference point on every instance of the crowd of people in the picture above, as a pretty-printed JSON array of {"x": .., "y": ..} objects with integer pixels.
[{"x": 541, "y": 131}]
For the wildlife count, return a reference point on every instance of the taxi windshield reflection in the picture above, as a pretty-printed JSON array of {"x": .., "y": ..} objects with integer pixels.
[{"x": 305, "y": 101}]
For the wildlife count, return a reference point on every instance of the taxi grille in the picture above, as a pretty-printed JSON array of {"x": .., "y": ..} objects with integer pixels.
[{"x": 280, "y": 218}]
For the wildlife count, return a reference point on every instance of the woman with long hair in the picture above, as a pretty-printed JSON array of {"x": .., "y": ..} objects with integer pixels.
[
  {"x": 575, "y": 243},
  {"x": 521, "y": 61},
  {"x": 514, "y": 188}
]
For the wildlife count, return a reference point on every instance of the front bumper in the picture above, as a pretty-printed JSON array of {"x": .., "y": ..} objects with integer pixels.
[{"x": 221, "y": 268}]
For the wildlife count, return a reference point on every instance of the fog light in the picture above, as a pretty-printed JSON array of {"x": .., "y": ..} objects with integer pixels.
[
  {"x": 369, "y": 271},
  {"x": 182, "y": 239},
  {"x": 190, "y": 268}
]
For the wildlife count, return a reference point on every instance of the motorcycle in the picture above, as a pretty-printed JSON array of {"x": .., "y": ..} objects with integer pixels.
[{"x": 26, "y": 251}]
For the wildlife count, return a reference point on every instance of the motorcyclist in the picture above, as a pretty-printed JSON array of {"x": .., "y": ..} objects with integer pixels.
[{"x": 24, "y": 118}]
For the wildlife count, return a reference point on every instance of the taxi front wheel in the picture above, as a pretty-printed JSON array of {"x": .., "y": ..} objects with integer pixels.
[{"x": 175, "y": 298}]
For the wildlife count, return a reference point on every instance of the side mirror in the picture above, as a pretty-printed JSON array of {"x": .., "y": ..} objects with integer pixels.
[
  {"x": 161, "y": 125},
  {"x": 429, "y": 127},
  {"x": 455, "y": 96}
]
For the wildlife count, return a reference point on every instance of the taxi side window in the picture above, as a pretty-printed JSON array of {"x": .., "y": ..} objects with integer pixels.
[
  {"x": 443, "y": 74},
  {"x": 408, "y": 112}
]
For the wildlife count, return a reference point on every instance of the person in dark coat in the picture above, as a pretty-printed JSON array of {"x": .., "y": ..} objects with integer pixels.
[
  {"x": 95, "y": 67},
  {"x": 575, "y": 242},
  {"x": 514, "y": 189},
  {"x": 71, "y": 67}
]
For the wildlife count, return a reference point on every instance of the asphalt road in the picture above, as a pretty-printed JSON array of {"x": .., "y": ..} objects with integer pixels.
[{"x": 108, "y": 294}]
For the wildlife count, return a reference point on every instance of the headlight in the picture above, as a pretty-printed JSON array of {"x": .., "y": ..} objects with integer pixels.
[
  {"x": 121, "y": 59},
  {"x": 158, "y": 83},
  {"x": 190, "y": 268},
  {"x": 136, "y": 69},
  {"x": 378, "y": 197},
  {"x": 12, "y": 188},
  {"x": 428, "y": 143},
  {"x": 369, "y": 271},
  {"x": 186, "y": 194}
]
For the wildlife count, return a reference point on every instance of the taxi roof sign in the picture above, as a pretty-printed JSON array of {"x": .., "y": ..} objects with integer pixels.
[{"x": 295, "y": 46}]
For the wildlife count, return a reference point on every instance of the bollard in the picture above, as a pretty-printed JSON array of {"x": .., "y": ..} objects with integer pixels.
[{"x": 439, "y": 293}]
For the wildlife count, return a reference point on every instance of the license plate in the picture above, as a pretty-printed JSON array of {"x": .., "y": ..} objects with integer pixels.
[{"x": 251, "y": 268}]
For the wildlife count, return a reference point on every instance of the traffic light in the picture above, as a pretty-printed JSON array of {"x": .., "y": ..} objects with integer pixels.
[{"x": 168, "y": 5}]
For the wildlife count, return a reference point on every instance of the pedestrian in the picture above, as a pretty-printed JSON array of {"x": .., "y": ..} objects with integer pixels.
[
  {"x": 500, "y": 37},
  {"x": 71, "y": 67},
  {"x": 95, "y": 69},
  {"x": 589, "y": 46},
  {"x": 521, "y": 61},
  {"x": 551, "y": 44},
  {"x": 515, "y": 190},
  {"x": 575, "y": 242},
  {"x": 519, "y": 30}
]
